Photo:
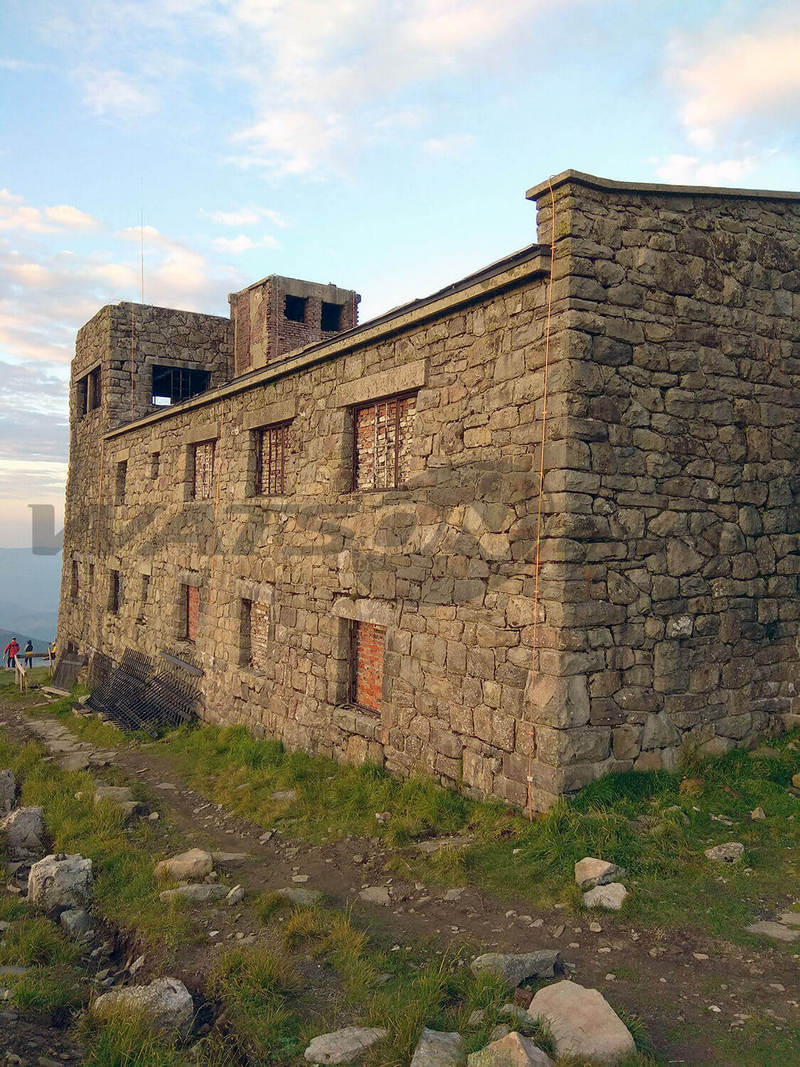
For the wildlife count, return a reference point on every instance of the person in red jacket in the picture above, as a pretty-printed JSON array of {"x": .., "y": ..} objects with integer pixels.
[{"x": 11, "y": 649}]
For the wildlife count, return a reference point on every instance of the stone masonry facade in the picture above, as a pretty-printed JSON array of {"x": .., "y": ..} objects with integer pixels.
[{"x": 373, "y": 597}]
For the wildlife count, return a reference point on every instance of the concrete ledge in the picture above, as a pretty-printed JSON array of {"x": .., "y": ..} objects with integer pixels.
[
  {"x": 579, "y": 177},
  {"x": 378, "y": 612},
  {"x": 209, "y": 431},
  {"x": 280, "y": 411},
  {"x": 386, "y": 382}
]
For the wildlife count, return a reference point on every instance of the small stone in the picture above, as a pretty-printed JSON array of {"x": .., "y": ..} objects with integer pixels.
[
  {"x": 376, "y": 894},
  {"x": 300, "y": 878},
  {"x": 590, "y": 872},
  {"x": 595, "y": 928},
  {"x": 383, "y": 816},
  {"x": 777, "y": 931},
  {"x": 791, "y": 918},
  {"x": 796, "y": 781},
  {"x": 582, "y": 1023},
  {"x": 235, "y": 896},
  {"x": 436, "y": 1048},
  {"x": 230, "y": 859},
  {"x": 475, "y": 1021},
  {"x": 153, "y": 816},
  {"x": 284, "y": 796},
  {"x": 8, "y": 791},
  {"x": 187, "y": 866},
  {"x": 757, "y": 814},
  {"x": 303, "y": 898},
  {"x": 58, "y": 883},
  {"x": 76, "y": 923},
  {"x": 194, "y": 894},
  {"x": 166, "y": 1004},
  {"x": 24, "y": 833},
  {"x": 729, "y": 852},
  {"x": 343, "y": 1046},
  {"x": 610, "y": 896},
  {"x": 517, "y": 967}
]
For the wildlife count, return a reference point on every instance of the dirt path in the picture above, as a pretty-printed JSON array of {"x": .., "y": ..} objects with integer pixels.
[{"x": 671, "y": 979}]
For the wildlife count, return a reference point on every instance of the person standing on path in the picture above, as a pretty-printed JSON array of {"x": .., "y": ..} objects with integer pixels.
[
  {"x": 29, "y": 654},
  {"x": 10, "y": 651}
]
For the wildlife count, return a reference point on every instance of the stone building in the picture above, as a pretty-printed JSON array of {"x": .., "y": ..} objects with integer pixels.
[{"x": 336, "y": 524}]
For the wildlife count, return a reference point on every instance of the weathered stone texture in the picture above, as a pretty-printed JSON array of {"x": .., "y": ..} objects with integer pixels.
[{"x": 667, "y": 544}]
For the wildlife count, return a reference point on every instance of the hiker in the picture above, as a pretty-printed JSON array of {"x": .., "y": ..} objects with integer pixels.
[
  {"x": 29, "y": 653},
  {"x": 10, "y": 651}
]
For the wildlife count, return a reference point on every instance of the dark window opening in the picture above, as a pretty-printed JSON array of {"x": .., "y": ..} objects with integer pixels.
[
  {"x": 271, "y": 460},
  {"x": 122, "y": 475},
  {"x": 331, "y": 317},
  {"x": 115, "y": 591},
  {"x": 155, "y": 463},
  {"x": 294, "y": 308},
  {"x": 171, "y": 385},
  {"x": 89, "y": 392},
  {"x": 75, "y": 581},
  {"x": 145, "y": 596}
]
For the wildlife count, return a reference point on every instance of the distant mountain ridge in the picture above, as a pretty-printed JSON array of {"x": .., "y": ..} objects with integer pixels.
[{"x": 29, "y": 590}]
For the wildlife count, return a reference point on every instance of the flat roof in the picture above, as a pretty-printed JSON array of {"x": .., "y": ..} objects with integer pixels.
[{"x": 593, "y": 181}]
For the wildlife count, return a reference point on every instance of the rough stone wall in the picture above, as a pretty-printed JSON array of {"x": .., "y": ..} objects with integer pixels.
[
  {"x": 443, "y": 566},
  {"x": 676, "y": 509}
]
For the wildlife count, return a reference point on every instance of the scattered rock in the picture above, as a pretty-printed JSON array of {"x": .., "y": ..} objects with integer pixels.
[
  {"x": 76, "y": 923},
  {"x": 729, "y": 852},
  {"x": 436, "y": 844},
  {"x": 383, "y": 816},
  {"x": 515, "y": 1013},
  {"x": 303, "y": 898},
  {"x": 194, "y": 894},
  {"x": 476, "y": 1018},
  {"x": 500, "y": 1031},
  {"x": 610, "y": 896},
  {"x": 230, "y": 859},
  {"x": 187, "y": 866},
  {"x": 796, "y": 781},
  {"x": 590, "y": 872},
  {"x": 120, "y": 796},
  {"x": 12, "y": 970},
  {"x": 436, "y": 1048},
  {"x": 8, "y": 791},
  {"x": 516, "y": 967},
  {"x": 777, "y": 931},
  {"x": 165, "y": 1004},
  {"x": 514, "y": 1050},
  {"x": 284, "y": 796},
  {"x": 343, "y": 1046},
  {"x": 235, "y": 896},
  {"x": 25, "y": 833},
  {"x": 791, "y": 918},
  {"x": 757, "y": 814},
  {"x": 60, "y": 883},
  {"x": 582, "y": 1023},
  {"x": 376, "y": 894}
]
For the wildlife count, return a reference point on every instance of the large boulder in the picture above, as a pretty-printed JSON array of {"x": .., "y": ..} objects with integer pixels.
[
  {"x": 191, "y": 866},
  {"x": 516, "y": 967},
  {"x": 590, "y": 872},
  {"x": 8, "y": 791},
  {"x": 165, "y": 1005},
  {"x": 344, "y": 1046},
  {"x": 513, "y": 1050},
  {"x": 437, "y": 1048},
  {"x": 60, "y": 883},
  {"x": 25, "y": 833},
  {"x": 610, "y": 896},
  {"x": 582, "y": 1023}
]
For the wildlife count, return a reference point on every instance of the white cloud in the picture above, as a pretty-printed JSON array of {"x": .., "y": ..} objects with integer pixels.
[
  {"x": 454, "y": 144},
  {"x": 15, "y": 214},
  {"x": 726, "y": 80},
  {"x": 692, "y": 170},
  {"x": 114, "y": 94},
  {"x": 247, "y": 216}
]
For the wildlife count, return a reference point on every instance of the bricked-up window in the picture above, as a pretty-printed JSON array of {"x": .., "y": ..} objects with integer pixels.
[
  {"x": 122, "y": 475},
  {"x": 171, "y": 385},
  {"x": 155, "y": 464},
  {"x": 367, "y": 645},
  {"x": 204, "y": 470},
  {"x": 331, "y": 317},
  {"x": 294, "y": 308},
  {"x": 114, "y": 591},
  {"x": 191, "y": 610},
  {"x": 144, "y": 596},
  {"x": 75, "y": 581},
  {"x": 271, "y": 442},
  {"x": 382, "y": 442},
  {"x": 254, "y": 634}
]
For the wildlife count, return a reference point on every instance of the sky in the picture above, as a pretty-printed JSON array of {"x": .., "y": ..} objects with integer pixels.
[{"x": 381, "y": 145}]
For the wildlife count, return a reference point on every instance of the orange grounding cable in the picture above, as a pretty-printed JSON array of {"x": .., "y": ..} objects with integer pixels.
[
  {"x": 534, "y": 642},
  {"x": 218, "y": 465}
]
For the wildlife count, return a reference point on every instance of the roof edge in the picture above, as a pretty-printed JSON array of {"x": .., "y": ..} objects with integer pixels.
[{"x": 580, "y": 177}]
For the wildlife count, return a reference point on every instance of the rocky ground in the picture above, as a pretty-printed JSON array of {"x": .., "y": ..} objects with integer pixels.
[{"x": 690, "y": 991}]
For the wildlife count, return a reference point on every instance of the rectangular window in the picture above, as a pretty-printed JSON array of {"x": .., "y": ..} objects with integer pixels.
[
  {"x": 114, "y": 591},
  {"x": 331, "y": 319},
  {"x": 294, "y": 308},
  {"x": 366, "y": 660},
  {"x": 144, "y": 596},
  {"x": 122, "y": 475},
  {"x": 171, "y": 385},
  {"x": 75, "y": 581},
  {"x": 191, "y": 597},
  {"x": 382, "y": 442},
  {"x": 155, "y": 464},
  {"x": 254, "y": 634},
  {"x": 89, "y": 391},
  {"x": 271, "y": 444},
  {"x": 204, "y": 470}
]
